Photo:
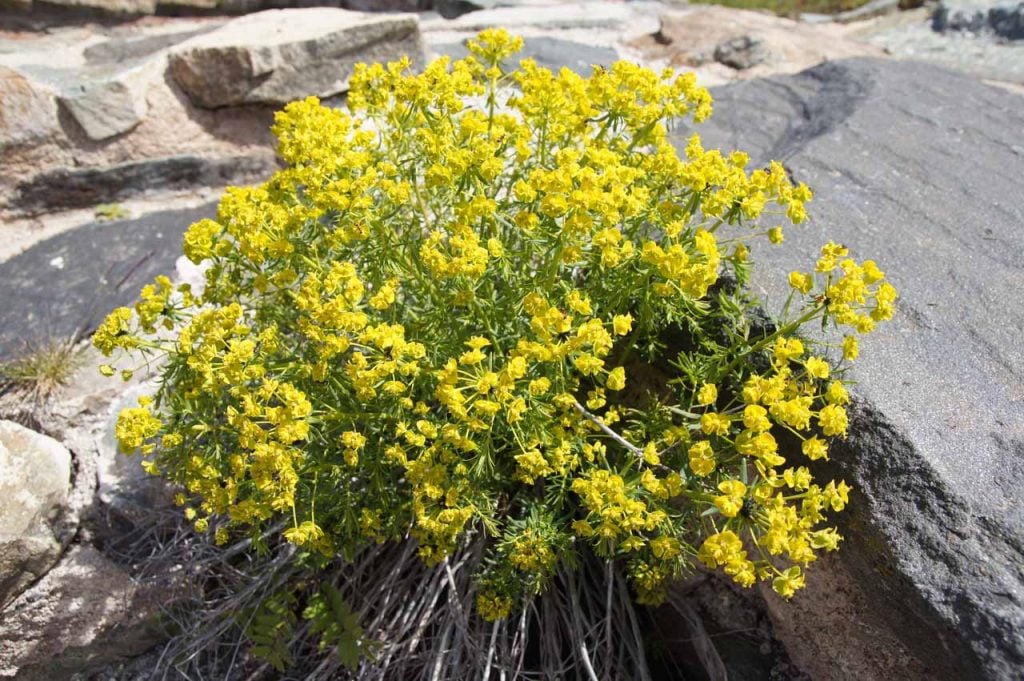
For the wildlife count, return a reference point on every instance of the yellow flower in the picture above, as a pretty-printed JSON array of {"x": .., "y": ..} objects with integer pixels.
[
  {"x": 702, "y": 458},
  {"x": 816, "y": 367},
  {"x": 616, "y": 379},
  {"x": 833, "y": 420},
  {"x": 801, "y": 282},
  {"x": 715, "y": 424},
  {"x": 707, "y": 394}
]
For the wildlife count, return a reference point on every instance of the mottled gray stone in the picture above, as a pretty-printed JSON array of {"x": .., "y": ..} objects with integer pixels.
[
  {"x": 921, "y": 169},
  {"x": 1005, "y": 19},
  {"x": 95, "y": 268},
  {"x": 35, "y": 478},
  {"x": 551, "y": 53},
  {"x": 276, "y": 56},
  {"x": 741, "y": 53}
]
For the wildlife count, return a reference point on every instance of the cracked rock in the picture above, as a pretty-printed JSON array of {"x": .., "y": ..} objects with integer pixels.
[
  {"x": 913, "y": 165},
  {"x": 276, "y": 56},
  {"x": 35, "y": 480}
]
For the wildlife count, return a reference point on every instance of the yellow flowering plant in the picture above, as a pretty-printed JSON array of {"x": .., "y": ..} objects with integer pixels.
[{"x": 492, "y": 318}]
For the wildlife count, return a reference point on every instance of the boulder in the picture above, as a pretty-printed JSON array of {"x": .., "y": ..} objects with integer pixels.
[
  {"x": 741, "y": 53},
  {"x": 84, "y": 613},
  {"x": 1004, "y": 19},
  {"x": 28, "y": 110},
  {"x": 113, "y": 103},
  {"x": 276, "y": 56},
  {"x": 920, "y": 168},
  {"x": 35, "y": 479}
]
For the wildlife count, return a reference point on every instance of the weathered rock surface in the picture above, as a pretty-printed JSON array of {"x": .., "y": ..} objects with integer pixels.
[
  {"x": 276, "y": 56},
  {"x": 741, "y": 53},
  {"x": 28, "y": 111},
  {"x": 35, "y": 478},
  {"x": 689, "y": 37},
  {"x": 84, "y": 613},
  {"x": 1005, "y": 19},
  {"x": 920, "y": 168},
  {"x": 81, "y": 187},
  {"x": 94, "y": 268}
]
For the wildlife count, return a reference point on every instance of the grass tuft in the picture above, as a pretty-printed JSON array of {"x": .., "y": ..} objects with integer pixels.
[{"x": 42, "y": 370}]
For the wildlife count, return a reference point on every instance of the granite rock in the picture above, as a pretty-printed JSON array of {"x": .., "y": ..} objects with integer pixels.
[
  {"x": 276, "y": 56},
  {"x": 35, "y": 478},
  {"x": 28, "y": 110},
  {"x": 920, "y": 168}
]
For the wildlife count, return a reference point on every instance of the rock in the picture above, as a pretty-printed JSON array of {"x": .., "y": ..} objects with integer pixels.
[
  {"x": 690, "y": 37},
  {"x": 915, "y": 166},
  {"x": 35, "y": 478},
  {"x": 75, "y": 8},
  {"x": 1005, "y": 20},
  {"x": 869, "y": 10},
  {"x": 551, "y": 53},
  {"x": 104, "y": 266},
  {"x": 28, "y": 110},
  {"x": 83, "y": 187},
  {"x": 590, "y": 15},
  {"x": 741, "y": 53},
  {"x": 111, "y": 103},
  {"x": 84, "y": 613},
  {"x": 387, "y": 5},
  {"x": 124, "y": 487},
  {"x": 276, "y": 56},
  {"x": 960, "y": 17}
]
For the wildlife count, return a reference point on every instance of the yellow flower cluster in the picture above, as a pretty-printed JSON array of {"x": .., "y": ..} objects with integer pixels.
[{"x": 445, "y": 320}]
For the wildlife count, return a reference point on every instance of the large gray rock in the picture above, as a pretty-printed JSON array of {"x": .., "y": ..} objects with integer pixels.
[
  {"x": 35, "y": 478},
  {"x": 276, "y": 56},
  {"x": 920, "y": 168}
]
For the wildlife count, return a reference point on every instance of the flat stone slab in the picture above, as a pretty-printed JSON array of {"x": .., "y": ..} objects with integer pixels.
[
  {"x": 66, "y": 285},
  {"x": 276, "y": 56},
  {"x": 919, "y": 168}
]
